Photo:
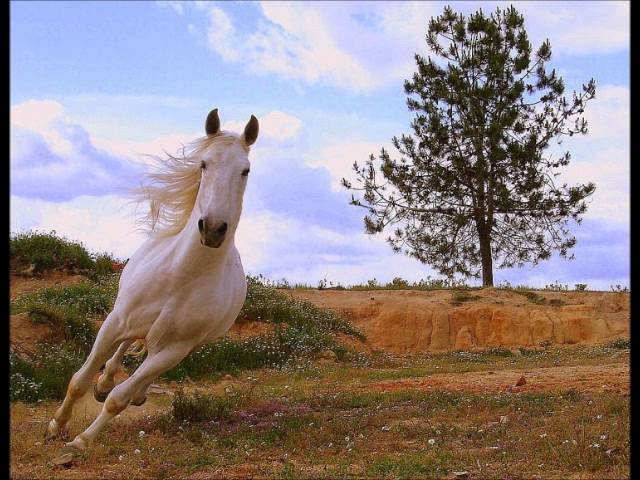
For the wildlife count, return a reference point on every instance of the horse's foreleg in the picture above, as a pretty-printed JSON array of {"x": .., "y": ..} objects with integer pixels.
[
  {"x": 104, "y": 346},
  {"x": 154, "y": 365},
  {"x": 106, "y": 381}
]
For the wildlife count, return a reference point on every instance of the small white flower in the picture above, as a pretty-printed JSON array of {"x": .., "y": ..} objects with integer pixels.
[
  {"x": 120, "y": 457},
  {"x": 542, "y": 435},
  {"x": 431, "y": 441},
  {"x": 599, "y": 417},
  {"x": 346, "y": 439},
  {"x": 330, "y": 444},
  {"x": 141, "y": 433},
  {"x": 603, "y": 437},
  {"x": 137, "y": 451}
]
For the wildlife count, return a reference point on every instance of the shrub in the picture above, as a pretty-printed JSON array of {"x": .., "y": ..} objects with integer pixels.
[
  {"x": 619, "y": 344},
  {"x": 581, "y": 287},
  {"x": 557, "y": 287},
  {"x": 48, "y": 251},
  {"x": 457, "y": 297},
  {"x": 200, "y": 407},
  {"x": 533, "y": 297},
  {"x": 46, "y": 374}
]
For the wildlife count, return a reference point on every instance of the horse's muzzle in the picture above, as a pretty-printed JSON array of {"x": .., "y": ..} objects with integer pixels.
[{"x": 212, "y": 235}]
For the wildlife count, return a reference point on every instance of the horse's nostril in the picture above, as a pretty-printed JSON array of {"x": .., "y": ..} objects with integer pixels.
[
  {"x": 223, "y": 227},
  {"x": 201, "y": 225}
]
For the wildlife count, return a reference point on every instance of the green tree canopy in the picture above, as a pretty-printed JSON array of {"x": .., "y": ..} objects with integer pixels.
[{"x": 476, "y": 182}]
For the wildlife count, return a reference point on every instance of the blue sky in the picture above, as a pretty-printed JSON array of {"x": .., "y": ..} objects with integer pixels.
[{"x": 96, "y": 84}]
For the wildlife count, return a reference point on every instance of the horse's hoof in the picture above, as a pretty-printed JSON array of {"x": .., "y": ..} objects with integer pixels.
[
  {"x": 100, "y": 396},
  {"x": 67, "y": 456},
  {"x": 54, "y": 431},
  {"x": 140, "y": 403}
]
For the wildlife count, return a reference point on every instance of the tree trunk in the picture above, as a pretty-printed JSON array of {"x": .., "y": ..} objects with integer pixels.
[{"x": 487, "y": 261}]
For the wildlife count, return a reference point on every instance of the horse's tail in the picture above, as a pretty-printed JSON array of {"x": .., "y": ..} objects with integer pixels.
[{"x": 137, "y": 348}]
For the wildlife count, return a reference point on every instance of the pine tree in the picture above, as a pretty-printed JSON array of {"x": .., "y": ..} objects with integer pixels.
[{"x": 475, "y": 183}]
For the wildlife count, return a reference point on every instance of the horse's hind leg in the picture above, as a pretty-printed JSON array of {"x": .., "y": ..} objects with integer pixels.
[
  {"x": 105, "y": 345},
  {"x": 154, "y": 365},
  {"x": 106, "y": 381}
]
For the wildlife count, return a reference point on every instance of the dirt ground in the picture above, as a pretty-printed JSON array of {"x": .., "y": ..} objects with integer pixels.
[
  {"x": 406, "y": 321},
  {"x": 432, "y": 404}
]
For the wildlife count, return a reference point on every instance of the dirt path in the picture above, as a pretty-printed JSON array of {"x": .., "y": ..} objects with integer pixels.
[
  {"x": 585, "y": 378},
  {"x": 19, "y": 284}
]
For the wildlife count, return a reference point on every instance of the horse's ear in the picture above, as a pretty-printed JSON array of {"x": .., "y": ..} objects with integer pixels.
[
  {"x": 251, "y": 131},
  {"x": 212, "y": 125}
]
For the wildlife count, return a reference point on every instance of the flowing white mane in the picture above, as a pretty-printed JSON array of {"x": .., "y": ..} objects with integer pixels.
[{"x": 171, "y": 187}]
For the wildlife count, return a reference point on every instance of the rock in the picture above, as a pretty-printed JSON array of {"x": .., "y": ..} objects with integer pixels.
[
  {"x": 65, "y": 459},
  {"x": 461, "y": 475},
  {"x": 27, "y": 272},
  {"x": 464, "y": 340},
  {"x": 611, "y": 451},
  {"x": 521, "y": 381},
  {"x": 328, "y": 355}
]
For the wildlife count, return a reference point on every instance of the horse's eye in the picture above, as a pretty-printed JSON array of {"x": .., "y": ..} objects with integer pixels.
[
  {"x": 203, "y": 166},
  {"x": 245, "y": 172}
]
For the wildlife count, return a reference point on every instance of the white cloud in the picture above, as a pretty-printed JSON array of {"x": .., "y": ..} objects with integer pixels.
[
  {"x": 338, "y": 159},
  {"x": 578, "y": 28},
  {"x": 364, "y": 46},
  {"x": 53, "y": 158},
  {"x": 608, "y": 115},
  {"x": 103, "y": 224},
  {"x": 603, "y": 155},
  {"x": 45, "y": 118},
  {"x": 176, "y": 6},
  {"x": 276, "y": 125}
]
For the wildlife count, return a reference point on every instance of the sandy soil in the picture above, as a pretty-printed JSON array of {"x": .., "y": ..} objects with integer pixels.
[
  {"x": 24, "y": 284},
  {"x": 583, "y": 378},
  {"x": 406, "y": 321}
]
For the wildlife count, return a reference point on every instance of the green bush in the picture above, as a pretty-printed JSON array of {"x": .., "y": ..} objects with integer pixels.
[
  {"x": 265, "y": 303},
  {"x": 48, "y": 251},
  {"x": 45, "y": 374},
  {"x": 285, "y": 346},
  {"x": 200, "y": 407}
]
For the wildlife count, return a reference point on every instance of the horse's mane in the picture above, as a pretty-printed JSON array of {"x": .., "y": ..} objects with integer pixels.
[{"x": 171, "y": 186}]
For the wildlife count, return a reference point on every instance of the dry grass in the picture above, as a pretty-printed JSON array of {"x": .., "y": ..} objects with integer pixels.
[{"x": 334, "y": 420}]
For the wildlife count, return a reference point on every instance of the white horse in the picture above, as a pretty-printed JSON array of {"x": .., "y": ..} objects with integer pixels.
[{"x": 183, "y": 288}]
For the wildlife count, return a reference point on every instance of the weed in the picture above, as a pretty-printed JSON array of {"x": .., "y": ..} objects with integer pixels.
[
  {"x": 200, "y": 407},
  {"x": 44, "y": 375},
  {"x": 457, "y": 297},
  {"x": 533, "y": 297},
  {"x": 619, "y": 344},
  {"x": 47, "y": 251}
]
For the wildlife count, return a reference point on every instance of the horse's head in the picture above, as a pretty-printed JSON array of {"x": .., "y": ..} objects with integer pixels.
[{"x": 225, "y": 169}]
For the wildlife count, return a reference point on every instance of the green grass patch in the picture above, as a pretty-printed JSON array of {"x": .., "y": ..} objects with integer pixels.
[
  {"x": 265, "y": 303},
  {"x": 46, "y": 374},
  {"x": 48, "y": 251}
]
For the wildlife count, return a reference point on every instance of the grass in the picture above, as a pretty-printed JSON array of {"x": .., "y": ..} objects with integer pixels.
[
  {"x": 302, "y": 331},
  {"x": 532, "y": 296},
  {"x": 48, "y": 251},
  {"x": 332, "y": 421},
  {"x": 459, "y": 296},
  {"x": 46, "y": 374}
]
